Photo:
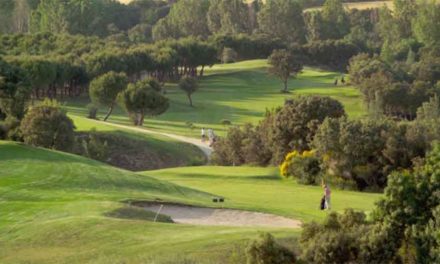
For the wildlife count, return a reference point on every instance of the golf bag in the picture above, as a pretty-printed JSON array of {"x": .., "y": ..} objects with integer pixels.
[{"x": 322, "y": 205}]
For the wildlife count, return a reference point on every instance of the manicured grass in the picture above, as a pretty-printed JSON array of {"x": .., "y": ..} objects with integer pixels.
[
  {"x": 239, "y": 92},
  {"x": 261, "y": 189},
  {"x": 53, "y": 209}
]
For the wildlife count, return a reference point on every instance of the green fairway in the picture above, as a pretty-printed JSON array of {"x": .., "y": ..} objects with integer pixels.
[
  {"x": 261, "y": 189},
  {"x": 53, "y": 210},
  {"x": 240, "y": 92}
]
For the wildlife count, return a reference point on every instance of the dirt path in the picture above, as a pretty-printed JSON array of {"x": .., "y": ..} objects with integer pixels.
[
  {"x": 207, "y": 150},
  {"x": 222, "y": 217}
]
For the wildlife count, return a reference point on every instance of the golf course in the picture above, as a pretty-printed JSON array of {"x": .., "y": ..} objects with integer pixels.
[
  {"x": 219, "y": 131},
  {"x": 56, "y": 205},
  {"x": 71, "y": 200}
]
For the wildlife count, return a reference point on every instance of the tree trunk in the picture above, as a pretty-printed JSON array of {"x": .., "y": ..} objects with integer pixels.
[
  {"x": 190, "y": 100},
  {"x": 110, "y": 110},
  {"x": 285, "y": 86},
  {"x": 141, "y": 118},
  {"x": 202, "y": 70}
]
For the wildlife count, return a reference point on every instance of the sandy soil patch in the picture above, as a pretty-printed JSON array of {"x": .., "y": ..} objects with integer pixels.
[{"x": 222, "y": 217}]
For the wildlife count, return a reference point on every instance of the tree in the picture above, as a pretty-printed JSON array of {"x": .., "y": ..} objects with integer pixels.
[
  {"x": 41, "y": 72},
  {"x": 186, "y": 18},
  {"x": 48, "y": 126},
  {"x": 284, "y": 65},
  {"x": 189, "y": 85},
  {"x": 50, "y": 16},
  {"x": 353, "y": 150},
  {"x": 143, "y": 98},
  {"x": 404, "y": 13},
  {"x": 295, "y": 124},
  {"x": 282, "y": 19},
  {"x": 427, "y": 22},
  {"x": 105, "y": 89},
  {"x": 335, "y": 19},
  {"x": 228, "y": 17},
  {"x": 14, "y": 90},
  {"x": 404, "y": 215},
  {"x": 429, "y": 110}
]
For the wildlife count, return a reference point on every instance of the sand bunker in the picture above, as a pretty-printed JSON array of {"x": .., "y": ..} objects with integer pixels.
[{"x": 222, "y": 217}]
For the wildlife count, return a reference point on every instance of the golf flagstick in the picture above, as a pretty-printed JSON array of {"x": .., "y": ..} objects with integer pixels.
[{"x": 158, "y": 212}]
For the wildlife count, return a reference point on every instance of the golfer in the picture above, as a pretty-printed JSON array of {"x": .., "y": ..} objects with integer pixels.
[{"x": 327, "y": 194}]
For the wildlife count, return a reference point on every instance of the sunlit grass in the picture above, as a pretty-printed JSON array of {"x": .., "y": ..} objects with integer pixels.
[{"x": 240, "y": 92}]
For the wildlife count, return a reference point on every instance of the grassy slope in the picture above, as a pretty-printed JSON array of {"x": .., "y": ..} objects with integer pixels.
[
  {"x": 240, "y": 92},
  {"x": 261, "y": 189},
  {"x": 53, "y": 208},
  {"x": 165, "y": 147}
]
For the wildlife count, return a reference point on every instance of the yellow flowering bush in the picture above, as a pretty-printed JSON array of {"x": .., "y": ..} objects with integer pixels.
[{"x": 304, "y": 166}]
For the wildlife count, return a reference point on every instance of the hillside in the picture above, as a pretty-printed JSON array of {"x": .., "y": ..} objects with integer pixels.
[
  {"x": 54, "y": 208},
  {"x": 136, "y": 151}
]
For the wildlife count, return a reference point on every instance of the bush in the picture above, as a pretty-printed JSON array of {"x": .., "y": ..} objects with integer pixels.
[
  {"x": 303, "y": 166},
  {"x": 10, "y": 129},
  {"x": 93, "y": 146},
  {"x": 48, "y": 126},
  {"x": 265, "y": 250},
  {"x": 337, "y": 240},
  {"x": 92, "y": 111}
]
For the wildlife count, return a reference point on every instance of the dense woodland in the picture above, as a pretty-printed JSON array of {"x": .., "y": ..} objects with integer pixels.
[{"x": 123, "y": 54}]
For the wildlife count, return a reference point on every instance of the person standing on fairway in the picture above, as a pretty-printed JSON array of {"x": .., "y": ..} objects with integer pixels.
[
  {"x": 203, "y": 135},
  {"x": 327, "y": 194}
]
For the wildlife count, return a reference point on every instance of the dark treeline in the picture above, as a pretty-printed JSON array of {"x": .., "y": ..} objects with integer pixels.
[
  {"x": 328, "y": 36},
  {"x": 62, "y": 65}
]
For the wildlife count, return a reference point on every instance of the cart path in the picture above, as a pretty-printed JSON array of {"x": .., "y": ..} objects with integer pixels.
[
  {"x": 204, "y": 147},
  {"x": 222, "y": 217}
]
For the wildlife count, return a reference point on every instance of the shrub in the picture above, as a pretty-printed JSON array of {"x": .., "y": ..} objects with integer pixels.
[
  {"x": 226, "y": 122},
  {"x": 229, "y": 150},
  {"x": 94, "y": 147},
  {"x": 47, "y": 125},
  {"x": 265, "y": 250},
  {"x": 337, "y": 240},
  {"x": 10, "y": 129},
  {"x": 92, "y": 111},
  {"x": 304, "y": 166}
]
